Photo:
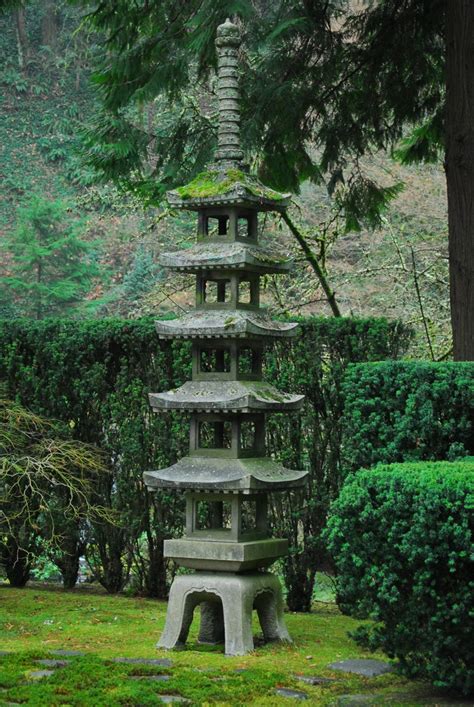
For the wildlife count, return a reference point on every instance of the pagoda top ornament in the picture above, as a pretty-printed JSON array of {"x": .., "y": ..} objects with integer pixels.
[{"x": 227, "y": 181}]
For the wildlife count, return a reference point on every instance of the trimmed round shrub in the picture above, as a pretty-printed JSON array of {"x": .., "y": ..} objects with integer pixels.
[{"x": 401, "y": 536}]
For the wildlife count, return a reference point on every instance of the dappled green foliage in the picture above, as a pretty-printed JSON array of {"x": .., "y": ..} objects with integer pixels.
[
  {"x": 402, "y": 540},
  {"x": 406, "y": 411}
]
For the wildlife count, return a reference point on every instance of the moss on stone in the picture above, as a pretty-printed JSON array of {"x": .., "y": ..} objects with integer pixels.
[{"x": 214, "y": 182}]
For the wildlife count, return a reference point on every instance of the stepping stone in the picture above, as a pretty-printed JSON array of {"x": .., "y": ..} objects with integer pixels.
[
  {"x": 294, "y": 694},
  {"x": 165, "y": 662},
  {"x": 66, "y": 653},
  {"x": 366, "y": 667},
  {"x": 51, "y": 663},
  {"x": 38, "y": 674},
  {"x": 355, "y": 700},
  {"x": 173, "y": 698},
  {"x": 314, "y": 679},
  {"x": 155, "y": 678},
  {"x": 5, "y": 653}
]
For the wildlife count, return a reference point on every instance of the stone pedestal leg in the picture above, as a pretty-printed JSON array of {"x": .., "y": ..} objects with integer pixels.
[
  {"x": 237, "y": 602},
  {"x": 269, "y": 606},
  {"x": 211, "y": 629},
  {"x": 179, "y": 616}
]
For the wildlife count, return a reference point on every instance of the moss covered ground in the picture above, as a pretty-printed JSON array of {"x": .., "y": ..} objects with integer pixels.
[{"x": 36, "y": 621}]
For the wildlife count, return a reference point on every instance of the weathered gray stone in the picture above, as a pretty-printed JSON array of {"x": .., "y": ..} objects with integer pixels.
[
  {"x": 225, "y": 556},
  {"x": 292, "y": 694},
  {"x": 250, "y": 474},
  {"x": 359, "y": 699},
  {"x": 5, "y": 653},
  {"x": 224, "y": 323},
  {"x": 226, "y": 475},
  {"x": 51, "y": 663},
  {"x": 204, "y": 256},
  {"x": 39, "y": 674},
  {"x": 208, "y": 396},
  {"x": 239, "y": 594},
  {"x": 367, "y": 667},
  {"x": 168, "y": 699},
  {"x": 67, "y": 653},
  {"x": 314, "y": 679},
  {"x": 164, "y": 662}
]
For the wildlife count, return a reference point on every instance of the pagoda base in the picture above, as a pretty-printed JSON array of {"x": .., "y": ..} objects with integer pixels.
[
  {"x": 227, "y": 601},
  {"x": 225, "y": 556}
]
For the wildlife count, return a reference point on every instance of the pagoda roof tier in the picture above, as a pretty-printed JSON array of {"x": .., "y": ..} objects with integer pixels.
[
  {"x": 229, "y": 255},
  {"x": 222, "y": 185},
  {"x": 214, "y": 474},
  {"x": 224, "y": 323},
  {"x": 231, "y": 396}
]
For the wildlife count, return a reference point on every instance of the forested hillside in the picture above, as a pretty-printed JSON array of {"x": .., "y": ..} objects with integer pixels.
[{"x": 47, "y": 102}]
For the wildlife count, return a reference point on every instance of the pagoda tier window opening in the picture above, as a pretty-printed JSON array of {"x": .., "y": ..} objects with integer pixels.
[
  {"x": 214, "y": 360},
  {"x": 213, "y": 515},
  {"x": 248, "y": 291},
  {"x": 249, "y": 361},
  {"x": 216, "y": 226},
  {"x": 214, "y": 434},
  {"x": 216, "y": 291},
  {"x": 247, "y": 226}
]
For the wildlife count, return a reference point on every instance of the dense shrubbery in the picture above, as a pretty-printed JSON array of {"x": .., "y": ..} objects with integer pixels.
[
  {"x": 398, "y": 411},
  {"x": 96, "y": 375},
  {"x": 402, "y": 540}
]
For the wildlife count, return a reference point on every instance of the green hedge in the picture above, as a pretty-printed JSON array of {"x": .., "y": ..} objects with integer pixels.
[
  {"x": 398, "y": 411},
  {"x": 402, "y": 537},
  {"x": 95, "y": 375}
]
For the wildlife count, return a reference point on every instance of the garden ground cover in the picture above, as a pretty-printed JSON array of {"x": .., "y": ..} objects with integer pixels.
[{"x": 36, "y": 621}]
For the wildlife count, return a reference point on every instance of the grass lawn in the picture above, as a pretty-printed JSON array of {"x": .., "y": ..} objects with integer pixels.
[{"x": 37, "y": 620}]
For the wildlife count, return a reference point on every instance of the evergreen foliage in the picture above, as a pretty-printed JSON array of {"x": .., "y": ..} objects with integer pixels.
[
  {"x": 398, "y": 411},
  {"x": 321, "y": 73},
  {"x": 104, "y": 370},
  {"x": 52, "y": 267},
  {"x": 402, "y": 540}
]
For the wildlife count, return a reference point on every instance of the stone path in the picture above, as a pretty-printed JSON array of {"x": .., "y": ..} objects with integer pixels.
[
  {"x": 293, "y": 694},
  {"x": 366, "y": 667},
  {"x": 164, "y": 662},
  {"x": 314, "y": 679}
]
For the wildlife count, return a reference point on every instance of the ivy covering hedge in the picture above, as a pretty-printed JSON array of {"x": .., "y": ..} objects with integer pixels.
[
  {"x": 95, "y": 375},
  {"x": 398, "y": 411},
  {"x": 402, "y": 537}
]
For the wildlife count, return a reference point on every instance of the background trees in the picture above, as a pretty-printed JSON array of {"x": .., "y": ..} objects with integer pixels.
[
  {"x": 325, "y": 84},
  {"x": 46, "y": 487},
  {"x": 51, "y": 267}
]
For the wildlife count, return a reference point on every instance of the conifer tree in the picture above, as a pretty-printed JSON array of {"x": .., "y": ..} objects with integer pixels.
[
  {"x": 50, "y": 267},
  {"x": 326, "y": 82}
]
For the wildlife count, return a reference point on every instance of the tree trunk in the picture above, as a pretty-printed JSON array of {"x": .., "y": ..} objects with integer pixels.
[
  {"x": 459, "y": 167},
  {"x": 21, "y": 37},
  {"x": 16, "y": 563},
  {"x": 49, "y": 24}
]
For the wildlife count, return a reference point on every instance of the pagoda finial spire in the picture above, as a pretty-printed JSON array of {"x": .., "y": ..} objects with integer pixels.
[{"x": 227, "y": 43}]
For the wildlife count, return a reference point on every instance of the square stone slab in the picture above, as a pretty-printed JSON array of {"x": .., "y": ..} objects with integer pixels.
[
  {"x": 314, "y": 679},
  {"x": 39, "y": 674},
  {"x": 51, "y": 663},
  {"x": 164, "y": 662},
  {"x": 293, "y": 694},
  {"x": 366, "y": 667},
  {"x": 359, "y": 699},
  {"x": 66, "y": 653}
]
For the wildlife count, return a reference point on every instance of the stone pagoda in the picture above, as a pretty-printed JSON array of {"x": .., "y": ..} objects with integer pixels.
[{"x": 226, "y": 477}]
